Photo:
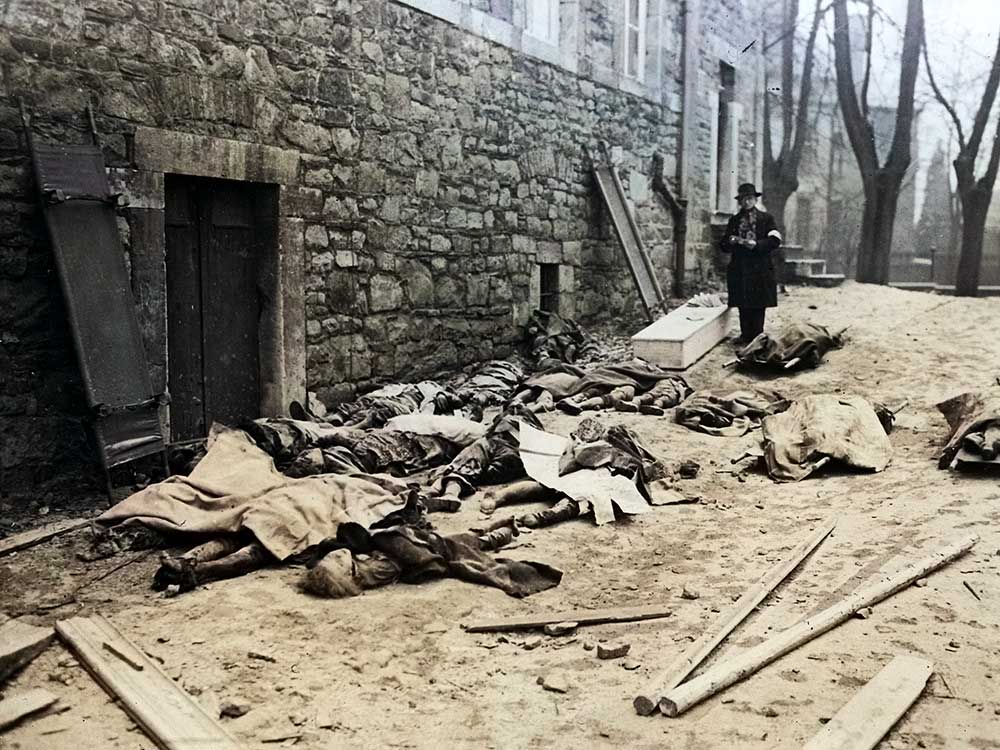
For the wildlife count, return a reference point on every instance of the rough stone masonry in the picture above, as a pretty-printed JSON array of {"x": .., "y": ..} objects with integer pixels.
[{"x": 434, "y": 169}]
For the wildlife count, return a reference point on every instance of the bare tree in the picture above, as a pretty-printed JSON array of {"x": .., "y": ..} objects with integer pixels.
[
  {"x": 882, "y": 182},
  {"x": 974, "y": 193},
  {"x": 781, "y": 171}
]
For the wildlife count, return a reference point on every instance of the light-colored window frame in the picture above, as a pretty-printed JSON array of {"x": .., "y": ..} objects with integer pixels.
[
  {"x": 543, "y": 16},
  {"x": 639, "y": 27}
]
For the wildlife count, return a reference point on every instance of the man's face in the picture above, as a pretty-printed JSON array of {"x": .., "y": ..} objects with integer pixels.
[{"x": 748, "y": 201}]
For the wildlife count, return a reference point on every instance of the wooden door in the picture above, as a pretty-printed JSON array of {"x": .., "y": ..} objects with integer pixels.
[{"x": 214, "y": 235}]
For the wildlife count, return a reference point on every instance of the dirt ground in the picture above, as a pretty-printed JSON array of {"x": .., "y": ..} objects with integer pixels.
[{"x": 395, "y": 669}]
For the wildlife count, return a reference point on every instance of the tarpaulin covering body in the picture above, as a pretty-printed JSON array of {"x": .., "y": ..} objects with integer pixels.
[
  {"x": 820, "y": 428},
  {"x": 236, "y": 487}
]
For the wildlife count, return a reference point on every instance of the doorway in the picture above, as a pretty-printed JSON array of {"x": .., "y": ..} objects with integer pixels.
[{"x": 217, "y": 234}]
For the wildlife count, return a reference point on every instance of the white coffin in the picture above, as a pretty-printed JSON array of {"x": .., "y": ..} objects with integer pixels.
[{"x": 677, "y": 340}]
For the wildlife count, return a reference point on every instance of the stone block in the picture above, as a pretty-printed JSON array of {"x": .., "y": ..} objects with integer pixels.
[
  {"x": 384, "y": 293},
  {"x": 549, "y": 252}
]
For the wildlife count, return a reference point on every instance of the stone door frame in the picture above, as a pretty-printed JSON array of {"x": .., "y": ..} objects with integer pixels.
[{"x": 157, "y": 152}]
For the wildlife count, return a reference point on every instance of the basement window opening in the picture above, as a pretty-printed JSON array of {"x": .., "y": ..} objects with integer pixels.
[{"x": 549, "y": 287}]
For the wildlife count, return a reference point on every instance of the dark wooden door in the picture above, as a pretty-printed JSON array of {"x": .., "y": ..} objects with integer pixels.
[{"x": 214, "y": 236}]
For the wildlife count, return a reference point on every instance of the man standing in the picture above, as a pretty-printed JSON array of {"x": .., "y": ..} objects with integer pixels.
[{"x": 751, "y": 237}]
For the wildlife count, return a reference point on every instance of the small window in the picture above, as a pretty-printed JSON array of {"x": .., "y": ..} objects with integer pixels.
[
  {"x": 635, "y": 39},
  {"x": 543, "y": 20},
  {"x": 549, "y": 287}
]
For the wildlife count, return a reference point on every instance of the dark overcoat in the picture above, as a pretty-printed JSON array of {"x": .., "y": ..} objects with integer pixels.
[{"x": 751, "y": 278}]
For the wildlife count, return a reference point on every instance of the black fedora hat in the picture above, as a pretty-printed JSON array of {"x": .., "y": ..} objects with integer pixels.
[{"x": 747, "y": 188}]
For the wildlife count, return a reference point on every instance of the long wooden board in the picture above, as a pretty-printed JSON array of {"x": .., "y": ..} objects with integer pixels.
[
  {"x": 686, "y": 663},
  {"x": 13, "y": 709},
  {"x": 36, "y": 536},
  {"x": 20, "y": 643},
  {"x": 579, "y": 616},
  {"x": 872, "y": 712},
  {"x": 724, "y": 674},
  {"x": 165, "y": 712}
]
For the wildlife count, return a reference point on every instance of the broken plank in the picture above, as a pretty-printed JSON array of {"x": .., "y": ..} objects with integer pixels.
[
  {"x": 20, "y": 643},
  {"x": 165, "y": 712},
  {"x": 579, "y": 616},
  {"x": 36, "y": 536},
  {"x": 724, "y": 674},
  {"x": 13, "y": 709},
  {"x": 872, "y": 712},
  {"x": 647, "y": 702}
]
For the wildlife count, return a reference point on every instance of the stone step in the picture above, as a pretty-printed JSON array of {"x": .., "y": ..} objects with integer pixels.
[{"x": 823, "y": 279}]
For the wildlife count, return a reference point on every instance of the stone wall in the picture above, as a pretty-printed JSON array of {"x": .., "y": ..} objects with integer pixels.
[{"x": 435, "y": 169}]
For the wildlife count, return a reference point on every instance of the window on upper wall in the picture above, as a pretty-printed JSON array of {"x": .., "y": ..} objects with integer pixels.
[
  {"x": 635, "y": 39},
  {"x": 543, "y": 20}
]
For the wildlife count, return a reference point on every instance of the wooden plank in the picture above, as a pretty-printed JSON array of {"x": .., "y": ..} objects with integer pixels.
[
  {"x": 579, "y": 616},
  {"x": 647, "y": 702},
  {"x": 165, "y": 712},
  {"x": 12, "y": 710},
  {"x": 874, "y": 710},
  {"x": 721, "y": 676},
  {"x": 20, "y": 643},
  {"x": 36, "y": 536}
]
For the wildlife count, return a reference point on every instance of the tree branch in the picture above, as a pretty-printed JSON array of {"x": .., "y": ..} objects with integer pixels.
[
  {"x": 989, "y": 96},
  {"x": 988, "y": 180},
  {"x": 855, "y": 122},
  {"x": 941, "y": 99},
  {"x": 899, "y": 154},
  {"x": 790, "y": 13},
  {"x": 802, "y": 116},
  {"x": 869, "y": 33}
]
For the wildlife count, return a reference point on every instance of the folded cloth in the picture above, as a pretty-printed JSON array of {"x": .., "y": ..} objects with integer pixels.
[
  {"x": 797, "y": 346},
  {"x": 822, "y": 428},
  {"x": 729, "y": 414},
  {"x": 969, "y": 414},
  {"x": 237, "y": 487}
]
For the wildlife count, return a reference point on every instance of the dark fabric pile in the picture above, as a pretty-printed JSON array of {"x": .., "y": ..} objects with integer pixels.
[
  {"x": 974, "y": 419},
  {"x": 551, "y": 339},
  {"x": 819, "y": 429},
  {"x": 617, "y": 385},
  {"x": 493, "y": 458},
  {"x": 594, "y": 445},
  {"x": 491, "y": 384},
  {"x": 361, "y": 559},
  {"x": 797, "y": 346},
  {"x": 729, "y": 414},
  {"x": 377, "y": 407}
]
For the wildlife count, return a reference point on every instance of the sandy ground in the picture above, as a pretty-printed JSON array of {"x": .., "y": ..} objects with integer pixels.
[{"x": 395, "y": 669}]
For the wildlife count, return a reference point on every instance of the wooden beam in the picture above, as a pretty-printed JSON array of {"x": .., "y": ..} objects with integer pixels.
[
  {"x": 12, "y": 710},
  {"x": 872, "y": 712},
  {"x": 579, "y": 616},
  {"x": 646, "y": 702},
  {"x": 165, "y": 712},
  {"x": 20, "y": 643},
  {"x": 724, "y": 674},
  {"x": 36, "y": 536}
]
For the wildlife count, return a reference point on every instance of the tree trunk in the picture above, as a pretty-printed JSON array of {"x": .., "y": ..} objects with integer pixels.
[
  {"x": 975, "y": 207},
  {"x": 775, "y": 201},
  {"x": 881, "y": 198}
]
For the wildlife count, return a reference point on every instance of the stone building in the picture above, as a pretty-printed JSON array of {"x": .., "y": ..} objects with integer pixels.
[{"x": 411, "y": 173}]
